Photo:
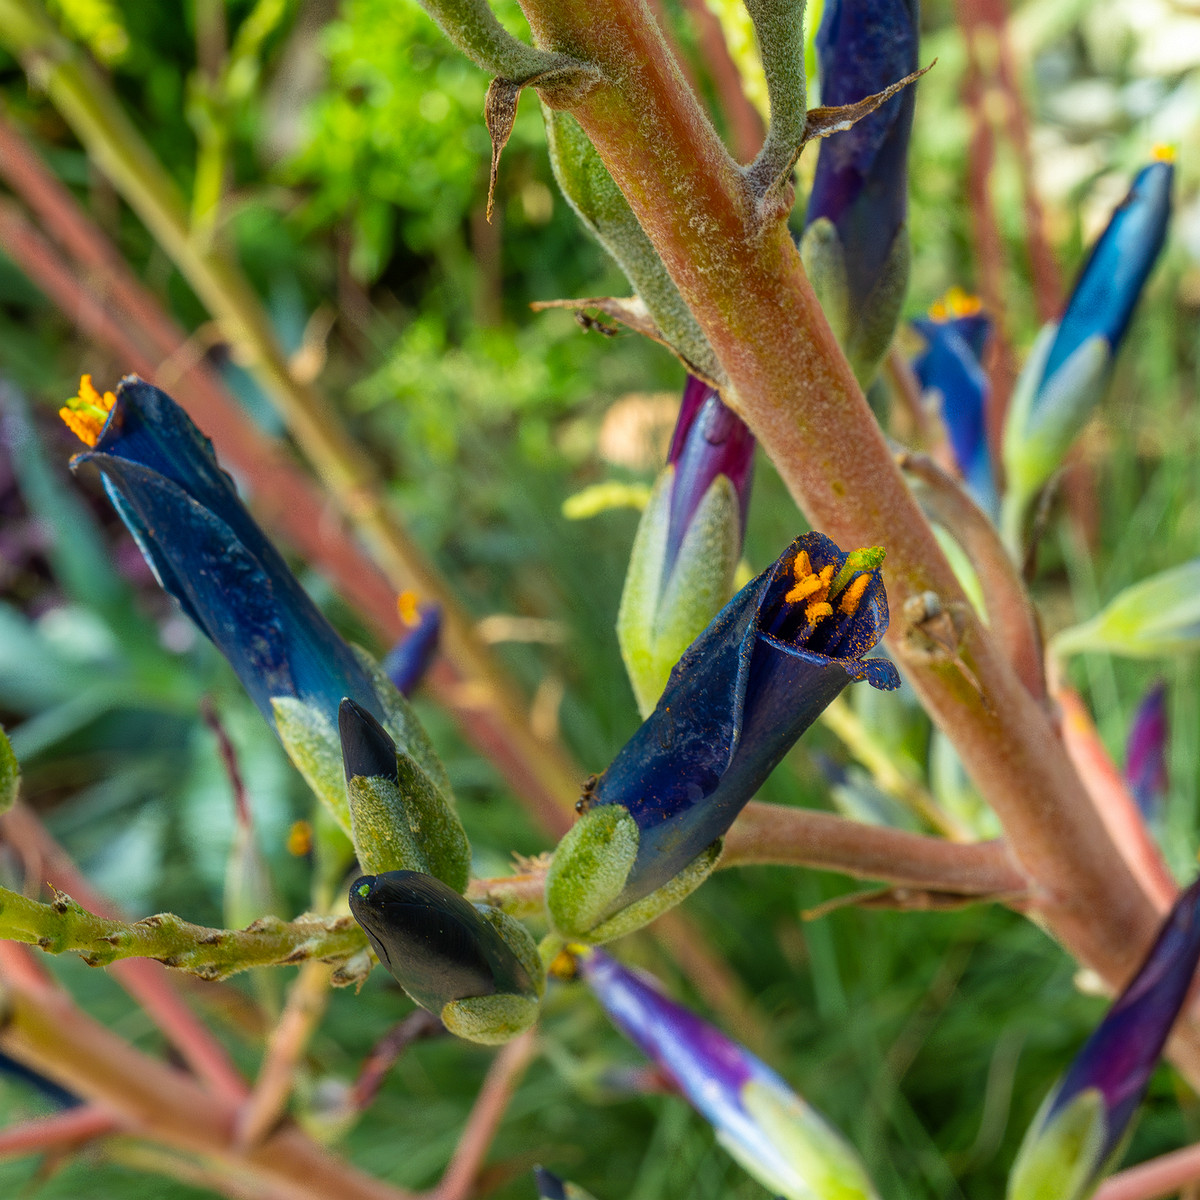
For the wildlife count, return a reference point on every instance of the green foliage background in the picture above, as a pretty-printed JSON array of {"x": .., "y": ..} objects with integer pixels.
[{"x": 358, "y": 163}]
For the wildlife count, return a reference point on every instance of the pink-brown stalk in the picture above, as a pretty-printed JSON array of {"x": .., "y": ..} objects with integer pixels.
[
  {"x": 61, "y": 1130},
  {"x": 735, "y": 265},
  {"x": 1156, "y": 1179}
]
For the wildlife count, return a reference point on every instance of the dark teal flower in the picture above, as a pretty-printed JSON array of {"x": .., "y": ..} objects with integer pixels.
[
  {"x": 761, "y": 673},
  {"x": 1079, "y": 1133},
  {"x": 950, "y": 366},
  {"x": 772, "y": 1132},
  {"x": 468, "y": 964},
  {"x": 859, "y": 196},
  {"x": 207, "y": 551}
]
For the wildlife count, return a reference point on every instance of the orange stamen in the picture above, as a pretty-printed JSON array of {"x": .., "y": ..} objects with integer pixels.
[
  {"x": 817, "y": 610},
  {"x": 852, "y": 596},
  {"x": 1163, "y": 152},
  {"x": 407, "y": 607},
  {"x": 84, "y": 415}
]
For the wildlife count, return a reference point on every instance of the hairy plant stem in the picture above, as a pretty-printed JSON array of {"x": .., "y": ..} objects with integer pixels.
[
  {"x": 210, "y": 953},
  {"x": 742, "y": 278}
]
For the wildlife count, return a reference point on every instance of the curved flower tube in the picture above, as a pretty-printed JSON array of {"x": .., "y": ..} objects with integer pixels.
[
  {"x": 472, "y": 966},
  {"x": 950, "y": 366},
  {"x": 688, "y": 542},
  {"x": 778, "y": 1138},
  {"x": 780, "y": 651},
  {"x": 207, "y": 551},
  {"x": 1079, "y": 1134},
  {"x": 1070, "y": 363},
  {"x": 856, "y": 241},
  {"x": 1146, "y": 752},
  {"x": 407, "y": 661}
]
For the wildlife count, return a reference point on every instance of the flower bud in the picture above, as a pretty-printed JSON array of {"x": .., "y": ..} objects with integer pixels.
[
  {"x": 765, "y": 668},
  {"x": 1069, "y": 365},
  {"x": 1078, "y": 1135},
  {"x": 400, "y": 819},
  {"x": 1146, "y": 752},
  {"x": 469, "y": 964},
  {"x": 688, "y": 542},
  {"x": 778, "y": 1138},
  {"x": 855, "y": 246}
]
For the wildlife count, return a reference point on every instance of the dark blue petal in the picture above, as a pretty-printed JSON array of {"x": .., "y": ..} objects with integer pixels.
[
  {"x": 209, "y": 554},
  {"x": 407, "y": 661},
  {"x": 436, "y": 944},
  {"x": 861, "y": 181},
  {"x": 55, "y": 1093},
  {"x": 1120, "y": 1056},
  {"x": 735, "y": 703},
  {"x": 367, "y": 748},
  {"x": 1117, "y": 268},
  {"x": 951, "y": 367},
  {"x": 549, "y": 1186}
]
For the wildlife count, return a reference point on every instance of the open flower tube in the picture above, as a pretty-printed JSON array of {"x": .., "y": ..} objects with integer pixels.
[
  {"x": 208, "y": 552},
  {"x": 761, "y": 673}
]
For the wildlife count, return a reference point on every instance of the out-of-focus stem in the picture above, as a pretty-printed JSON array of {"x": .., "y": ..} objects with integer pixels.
[
  {"x": 502, "y": 1078},
  {"x": 771, "y": 833},
  {"x": 44, "y": 1030},
  {"x": 144, "y": 981},
  {"x": 307, "y": 1000},
  {"x": 742, "y": 278},
  {"x": 1156, "y": 1179},
  {"x": 844, "y": 721},
  {"x": 536, "y": 768},
  {"x": 68, "y": 1128},
  {"x": 1116, "y": 807}
]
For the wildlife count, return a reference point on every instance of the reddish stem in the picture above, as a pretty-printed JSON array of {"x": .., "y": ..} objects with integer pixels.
[
  {"x": 62, "y": 1129},
  {"x": 1156, "y": 1179}
]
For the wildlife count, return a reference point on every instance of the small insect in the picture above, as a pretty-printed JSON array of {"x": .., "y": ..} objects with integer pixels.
[
  {"x": 585, "y": 799},
  {"x": 595, "y": 325}
]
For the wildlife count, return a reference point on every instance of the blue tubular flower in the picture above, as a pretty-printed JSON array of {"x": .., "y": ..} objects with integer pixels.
[
  {"x": 951, "y": 367},
  {"x": 765, "y": 1126},
  {"x": 780, "y": 651},
  {"x": 1069, "y": 365},
  {"x": 471, "y": 965},
  {"x": 161, "y": 475},
  {"x": 856, "y": 242},
  {"x": 1078, "y": 1135},
  {"x": 1145, "y": 754},
  {"x": 688, "y": 542},
  {"x": 407, "y": 661}
]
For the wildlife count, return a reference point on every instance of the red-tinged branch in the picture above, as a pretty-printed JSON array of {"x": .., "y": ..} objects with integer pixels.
[
  {"x": 61, "y": 1130},
  {"x": 741, "y": 276},
  {"x": 800, "y": 837},
  {"x": 44, "y": 1030},
  {"x": 505, "y": 1073},
  {"x": 1116, "y": 807},
  {"x": 1156, "y": 1179},
  {"x": 145, "y": 981}
]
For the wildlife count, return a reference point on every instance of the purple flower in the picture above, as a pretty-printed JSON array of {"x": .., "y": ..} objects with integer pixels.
[
  {"x": 1146, "y": 752},
  {"x": 407, "y": 661},
  {"x": 774, "y": 1134}
]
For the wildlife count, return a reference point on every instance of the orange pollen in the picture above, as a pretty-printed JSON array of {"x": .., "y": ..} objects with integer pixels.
[
  {"x": 812, "y": 588},
  {"x": 852, "y": 596},
  {"x": 955, "y": 303},
  {"x": 84, "y": 415},
  {"x": 1163, "y": 153},
  {"x": 816, "y": 610},
  {"x": 406, "y": 606},
  {"x": 300, "y": 839}
]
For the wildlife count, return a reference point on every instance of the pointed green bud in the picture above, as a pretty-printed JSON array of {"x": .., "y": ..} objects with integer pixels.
[
  {"x": 400, "y": 820},
  {"x": 1155, "y": 618},
  {"x": 1060, "y": 1161},
  {"x": 10, "y": 774},
  {"x": 591, "y": 191},
  {"x": 825, "y": 265},
  {"x": 312, "y": 744}
]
